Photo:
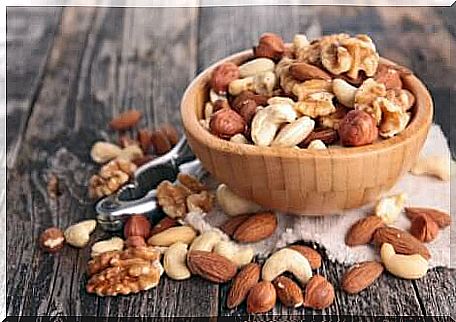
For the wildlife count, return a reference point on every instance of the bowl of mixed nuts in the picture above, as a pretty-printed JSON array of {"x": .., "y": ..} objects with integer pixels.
[{"x": 307, "y": 127}]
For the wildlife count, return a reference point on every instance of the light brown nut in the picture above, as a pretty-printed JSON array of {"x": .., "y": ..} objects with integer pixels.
[
  {"x": 288, "y": 292},
  {"x": 184, "y": 234},
  {"x": 262, "y": 298},
  {"x": 357, "y": 128},
  {"x": 319, "y": 293},
  {"x": 360, "y": 276},
  {"x": 130, "y": 153},
  {"x": 125, "y": 120},
  {"x": 388, "y": 76},
  {"x": 316, "y": 104},
  {"x": 303, "y": 71},
  {"x": 336, "y": 59},
  {"x": 226, "y": 122},
  {"x": 270, "y": 46},
  {"x": 135, "y": 241},
  {"x": 403, "y": 266},
  {"x": 137, "y": 225},
  {"x": 52, "y": 240},
  {"x": 326, "y": 135},
  {"x": 313, "y": 86},
  {"x": 239, "y": 138},
  {"x": 287, "y": 260},
  {"x": 256, "y": 66},
  {"x": 442, "y": 218},
  {"x": 333, "y": 120},
  {"x": 402, "y": 241},
  {"x": 257, "y": 227},
  {"x": 345, "y": 93},
  {"x": 402, "y": 97},
  {"x": 206, "y": 241},
  {"x": 317, "y": 145},
  {"x": 160, "y": 142},
  {"x": 394, "y": 118},
  {"x": 175, "y": 262},
  {"x": 238, "y": 86},
  {"x": 232, "y": 204},
  {"x": 239, "y": 255},
  {"x": 230, "y": 226},
  {"x": 211, "y": 266},
  {"x": 434, "y": 165},
  {"x": 424, "y": 229},
  {"x": 247, "y": 277},
  {"x": 366, "y": 95},
  {"x": 78, "y": 235},
  {"x": 312, "y": 255},
  {"x": 163, "y": 224},
  {"x": 172, "y": 199},
  {"x": 191, "y": 182},
  {"x": 363, "y": 53},
  {"x": 222, "y": 76},
  {"x": 294, "y": 133},
  {"x": 240, "y": 100},
  {"x": 108, "y": 245},
  {"x": 265, "y": 83},
  {"x": 362, "y": 231},
  {"x": 202, "y": 202},
  {"x": 389, "y": 208},
  {"x": 103, "y": 152}
]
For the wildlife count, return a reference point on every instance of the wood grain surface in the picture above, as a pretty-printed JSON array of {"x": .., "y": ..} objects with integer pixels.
[{"x": 70, "y": 70}]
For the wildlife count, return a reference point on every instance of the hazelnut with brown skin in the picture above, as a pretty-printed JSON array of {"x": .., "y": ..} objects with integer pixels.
[
  {"x": 222, "y": 76},
  {"x": 226, "y": 123},
  {"x": 357, "y": 128},
  {"x": 319, "y": 293},
  {"x": 270, "y": 46},
  {"x": 52, "y": 239}
]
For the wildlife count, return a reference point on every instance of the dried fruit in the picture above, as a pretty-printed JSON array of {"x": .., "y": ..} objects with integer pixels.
[
  {"x": 78, "y": 235},
  {"x": 125, "y": 120},
  {"x": 262, "y": 298},
  {"x": 222, "y": 76},
  {"x": 312, "y": 255},
  {"x": 424, "y": 228},
  {"x": 230, "y": 226},
  {"x": 226, "y": 123},
  {"x": 52, "y": 240},
  {"x": 108, "y": 245},
  {"x": 137, "y": 225},
  {"x": 211, "y": 266},
  {"x": 270, "y": 46},
  {"x": 357, "y": 128},
  {"x": 319, "y": 293},
  {"x": 441, "y": 218},
  {"x": 160, "y": 142},
  {"x": 247, "y": 277},
  {"x": 360, "y": 276},
  {"x": 163, "y": 224},
  {"x": 402, "y": 241},
  {"x": 405, "y": 266},
  {"x": 362, "y": 231},
  {"x": 288, "y": 292},
  {"x": 303, "y": 71},
  {"x": 257, "y": 227}
]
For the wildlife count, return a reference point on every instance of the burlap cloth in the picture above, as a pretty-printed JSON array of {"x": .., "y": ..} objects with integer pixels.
[{"x": 329, "y": 231}]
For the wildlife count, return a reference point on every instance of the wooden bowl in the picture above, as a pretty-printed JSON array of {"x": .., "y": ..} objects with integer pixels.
[{"x": 301, "y": 181}]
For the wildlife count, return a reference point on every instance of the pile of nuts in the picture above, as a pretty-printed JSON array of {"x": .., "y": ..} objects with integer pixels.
[{"x": 332, "y": 90}]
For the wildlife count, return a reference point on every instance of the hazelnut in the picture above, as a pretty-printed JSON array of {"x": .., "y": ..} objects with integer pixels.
[
  {"x": 226, "y": 123},
  {"x": 424, "y": 228},
  {"x": 357, "y": 128},
  {"x": 262, "y": 298},
  {"x": 52, "y": 239},
  {"x": 270, "y": 46},
  {"x": 135, "y": 241},
  {"x": 222, "y": 76},
  {"x": 137, "y": 225},
  {"x": 319, "y": 293}
]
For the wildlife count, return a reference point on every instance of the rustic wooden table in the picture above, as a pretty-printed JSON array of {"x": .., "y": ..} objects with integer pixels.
[{"x": 69, "y": 70}]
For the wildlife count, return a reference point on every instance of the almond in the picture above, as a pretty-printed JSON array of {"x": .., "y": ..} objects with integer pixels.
[
  {"x": 361, "y": 232},
  {"x": 160, "y": 142},
  {"x": 211, "y": 266},
  {"x": 262, "y": 298},
  {"x": 319, "y": 293},
  {"x": 288, "y": 292},
  {"x": 327, "y": 135},
  {"x": 242, "y": 283},
  {"x": 442, "y": 218},
  {"x": 402, "y": 241},
  {"x": 126, "y": 120},
  {"x": 312, "y": 255},
  {"x": 303, "y": 71},
  {"x": 162, "y": 225},
  {"x": 230, "y": 226},
  {"x": 144, "y": 139},
  {"x": 360, "y": 276},
  {"x": 257, "y": 227},
  {"x": 171, "y": 133},
  {"x": 424, "y": 229}
]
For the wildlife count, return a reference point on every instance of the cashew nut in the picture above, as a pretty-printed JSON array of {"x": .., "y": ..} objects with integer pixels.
[
  {"x": 103, "y": 152},
  {"x": 287, "y": 260},
  {"x": 239, "y": 85},
  {"x": 173, "y": 235},
  {"x": 175, "y": 262},
  {"x": 316, "y": 145},
  {"x": 240, "y": 255},
  {"x": 112, "y": 244},
  {"x": 434, "y": 165},
  {"x": 256, "y": 66},
  {"x": 264, "y": 83},
  {"x": 404, "y": 266},
  {"x": 390, "y": 207},
  {"x": 232, "y": 204},
  {"x": 239, "y": 138},
  {"x": 78, "y": 235},
  {"x": 206, "y": 241},
  {"x": 294, "y": 133},
  {"x": 345, "y": 93},
  {"x": 130, "y": 153},
  {"x": 213, "y": 96}
]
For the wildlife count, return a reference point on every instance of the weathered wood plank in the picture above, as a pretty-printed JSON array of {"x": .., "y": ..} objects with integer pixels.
[{"x": 30, "y": 32}]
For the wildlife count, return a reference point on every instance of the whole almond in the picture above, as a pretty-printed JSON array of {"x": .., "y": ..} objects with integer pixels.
[
  {"x": 262, "y": 298},
  {"x": 424, "y": 229},
  {"x": 242, "y": 283},
  {"x": 162, "y": 225},
  {"x": 402, "y": 241},
  {"x": 360, "y": 276},
  {"x": 144, "y": 139},
  {"x": 125, "y": 120},
  {"x": 171, "y": 133},
  {"x": 211, "y": 266},
  {"x": 362, "y": 231},
  {"x": 319, "y": 293},
  {"x": 288, "y": 292},
  {"x": 257, "y": 227},
  {"x": 312, "y": 255},
  {"x": 230, "y": 226},
  {"x": 160, "y": 142},
  {"x": 326, "y": 135},
  {"x": 303, "y": 71},
  {"x": 442, "y": 218}
]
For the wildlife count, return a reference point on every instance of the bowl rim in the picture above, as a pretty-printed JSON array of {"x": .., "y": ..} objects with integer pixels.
[{"x": 421, "y": 120}]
